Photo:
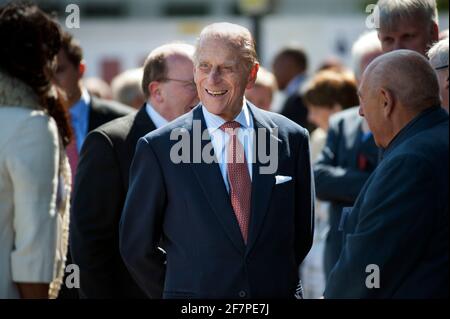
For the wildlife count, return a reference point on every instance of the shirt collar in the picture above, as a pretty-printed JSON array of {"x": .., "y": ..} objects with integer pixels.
[
  {"x": 80, "y": 108},
  {"x": 214, "y": 122},
  {"x": 156, "y": 118}
]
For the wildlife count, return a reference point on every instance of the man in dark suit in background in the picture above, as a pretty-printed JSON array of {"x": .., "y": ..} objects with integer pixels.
[
  {"x": 396, "y": 235},
  {"x": 102, "y": 179},
  {"x": 289, "y": 67},
  {"x": 349, "y": 156},
  {"x": 233, "y": 224},
  {"x": 86, "y": 112},
  {"x": 405, "y": 24}
]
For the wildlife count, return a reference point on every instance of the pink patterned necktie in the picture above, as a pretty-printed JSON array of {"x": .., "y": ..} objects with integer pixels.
[
  {"x": 238, "y": 178},
  {"x": 72, "y": 155}
]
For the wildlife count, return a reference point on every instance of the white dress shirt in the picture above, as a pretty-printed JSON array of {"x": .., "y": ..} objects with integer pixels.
[
  {"x": 219, "y": 138},
  {"x": 156, "y": 118}
]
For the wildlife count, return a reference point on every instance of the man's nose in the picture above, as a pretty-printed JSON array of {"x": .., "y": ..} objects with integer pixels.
[
  {"x": 361, "y": 112},
  {"x": 399, "y": 45},
  {"x": 214, "y": 76}
]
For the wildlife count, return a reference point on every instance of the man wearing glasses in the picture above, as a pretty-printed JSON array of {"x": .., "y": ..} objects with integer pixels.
[
  {"x": 439, "y": 61},
  {"x": 101, "y": 183}
]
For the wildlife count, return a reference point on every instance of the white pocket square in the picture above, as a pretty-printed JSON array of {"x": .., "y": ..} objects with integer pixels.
[{"x": 279, "y": 179}]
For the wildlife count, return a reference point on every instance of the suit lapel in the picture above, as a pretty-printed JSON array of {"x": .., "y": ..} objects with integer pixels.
[
  {"x": 211, "y": 181},
  {"x": 142, "y": 125},
  {"x": 262, "y": 184}
]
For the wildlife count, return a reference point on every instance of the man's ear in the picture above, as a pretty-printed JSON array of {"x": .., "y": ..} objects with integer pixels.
[
  {"x": 155, "y": 91},
  {"x": 195, "y": 74},
  {"x": 435, "y": 32},
  {"x": 81, "y": 69},
  {"x": 388, "y": 102},
  {"x": 252, "y": 76}
]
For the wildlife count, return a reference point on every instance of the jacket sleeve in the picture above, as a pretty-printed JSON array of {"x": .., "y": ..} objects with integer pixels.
[
  {"x": 304, "y": 200},
  {"x": 32, "y": 161},
  {"x": 333, "y": 182},
  {"x": 397, "y": 211},
  {"x": 97, "y": 203},
  {"x": 142, "y": 219}
]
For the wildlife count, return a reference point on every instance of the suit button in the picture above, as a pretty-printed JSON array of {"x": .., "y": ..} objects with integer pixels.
[{"x": 242, "y": 294}]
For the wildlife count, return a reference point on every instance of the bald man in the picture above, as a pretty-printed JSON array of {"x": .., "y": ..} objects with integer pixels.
[
  {"x": 396, "y": 235},
  {"x": 101, "y": 183},
  {"x": 232, "y": 224}
]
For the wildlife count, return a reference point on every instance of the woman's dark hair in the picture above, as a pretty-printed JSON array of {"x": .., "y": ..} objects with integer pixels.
[{"x": 30, "y": 40}]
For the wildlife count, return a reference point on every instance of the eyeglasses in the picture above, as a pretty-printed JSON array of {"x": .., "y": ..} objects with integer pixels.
[
  {"x": 441, "y": 67},
  {"x": 190, "y": 84}
]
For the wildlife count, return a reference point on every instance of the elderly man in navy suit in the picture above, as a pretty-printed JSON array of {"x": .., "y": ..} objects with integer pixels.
[
  {"x": 396, "y": 235},
  {"x": 231, "y": 226}
]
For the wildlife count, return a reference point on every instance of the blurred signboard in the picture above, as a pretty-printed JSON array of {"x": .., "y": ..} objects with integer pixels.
[{"x": 254, "y": 7}]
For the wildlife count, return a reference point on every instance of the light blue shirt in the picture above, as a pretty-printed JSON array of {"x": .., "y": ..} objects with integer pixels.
[
  {"x": 219, "y": 138},
  {"x": 156, "y": 118},
  {"x": 79, "y": 117},
  {"x": 295, "y": 84}
]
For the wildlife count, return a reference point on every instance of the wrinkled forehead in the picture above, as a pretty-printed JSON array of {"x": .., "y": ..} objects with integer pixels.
[
  {"x": 217, "y": 48},
  {"x": 230, "y": 42}
]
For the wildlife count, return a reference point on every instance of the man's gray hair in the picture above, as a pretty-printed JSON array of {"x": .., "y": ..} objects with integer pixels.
[
  {"x": 438, "y": 54},
  {"x": 367, "y": 43},
  {"x": 393, "y": 11},
  {"x": 239, "y": 37}
]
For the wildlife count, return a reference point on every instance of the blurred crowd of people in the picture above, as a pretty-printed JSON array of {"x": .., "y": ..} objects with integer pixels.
[{"x": 367, "y": 186}]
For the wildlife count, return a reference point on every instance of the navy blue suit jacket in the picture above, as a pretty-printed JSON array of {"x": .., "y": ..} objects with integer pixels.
[
  {"x": 400, "y": 220},
  {"x": 186, "y": 209},
  {"x": 99, "y": 194}
]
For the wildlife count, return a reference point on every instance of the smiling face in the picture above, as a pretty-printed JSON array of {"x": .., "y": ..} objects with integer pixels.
[{"x": 222, "y": 77}]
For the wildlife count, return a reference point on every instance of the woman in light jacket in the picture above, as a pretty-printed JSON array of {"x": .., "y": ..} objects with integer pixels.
[{"x": 34, "y": 172}]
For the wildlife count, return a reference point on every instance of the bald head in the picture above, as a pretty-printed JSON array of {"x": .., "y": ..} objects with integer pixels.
[
  {"x": 408, "y": 76},
  {"x": 156, "y": 65},
  {"x": 168, "y": 80},
  {"x": 235, "y": 36},
  {"x": 395, "y": 88}
]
